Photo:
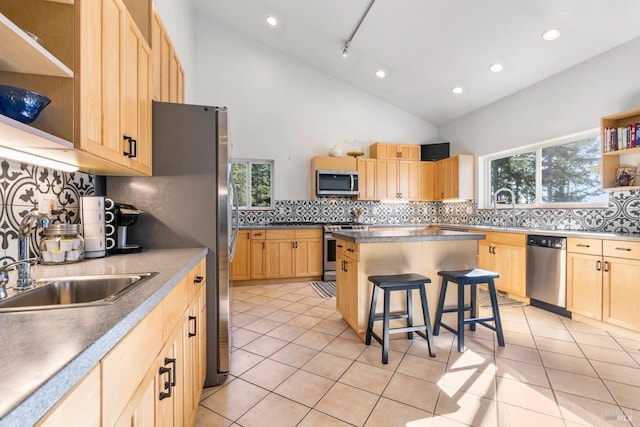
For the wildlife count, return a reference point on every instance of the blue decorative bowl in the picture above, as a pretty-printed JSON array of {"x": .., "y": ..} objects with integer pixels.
[{"x": 21, "y": 104}]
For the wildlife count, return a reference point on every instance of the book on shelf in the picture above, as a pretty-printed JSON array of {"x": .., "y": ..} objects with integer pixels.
[
  {"x": 621, "y": 137},
  {"x": 625, "y": 176}
]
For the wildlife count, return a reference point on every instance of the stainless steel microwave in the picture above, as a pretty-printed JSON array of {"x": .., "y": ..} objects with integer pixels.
[{"x": 336, "y": 183}]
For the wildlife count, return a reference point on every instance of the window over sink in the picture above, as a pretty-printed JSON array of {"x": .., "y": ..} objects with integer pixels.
[
  {"x": 559, "y": 173},
  {"x": 254, "y": 183}
]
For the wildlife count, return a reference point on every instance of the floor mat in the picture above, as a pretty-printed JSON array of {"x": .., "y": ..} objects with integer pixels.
[
  {"x": 325, "y": 289},
  {"x": 503, "y": 301}
]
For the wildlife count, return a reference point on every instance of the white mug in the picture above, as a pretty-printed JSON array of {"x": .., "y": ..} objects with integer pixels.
[
  {"x": 92, "y": 244},
  {"x": 96, "y": 203},
  {"x": 111, "y": 242},
  {"x": 97, "y": 217},
  {"x": 97, "y": 230}
]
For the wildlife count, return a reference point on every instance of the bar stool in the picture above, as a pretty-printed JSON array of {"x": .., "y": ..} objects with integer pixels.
[
  {"x": 472, "y": 278},
  {"x": 399, "y": 282}
]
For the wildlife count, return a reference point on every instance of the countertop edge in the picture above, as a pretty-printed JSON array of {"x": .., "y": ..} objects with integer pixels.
[
  {"x": 363, "y": 237},
  {"x": 30, "y": 410}
]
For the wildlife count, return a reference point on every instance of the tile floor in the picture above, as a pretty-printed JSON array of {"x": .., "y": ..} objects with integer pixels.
[{"x": 295, "y": 362}]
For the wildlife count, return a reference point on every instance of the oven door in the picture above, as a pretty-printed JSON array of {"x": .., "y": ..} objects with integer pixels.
[{"x": 329, "y": 257}]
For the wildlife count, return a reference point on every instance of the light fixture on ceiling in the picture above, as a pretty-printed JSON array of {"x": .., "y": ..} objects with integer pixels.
[
  {"x": 20, "y": 156},
  {"x": 551, "y": 34},
  {"x": 381, "y": 74},
  {"x": 457, "y": 90},
  {"x": 272, "y": 20},
  {"x": 496, "y": 68},
  {"x": 345, "y": 49}
]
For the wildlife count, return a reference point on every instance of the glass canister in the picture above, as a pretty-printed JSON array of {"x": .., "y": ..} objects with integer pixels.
[{"x": 61, "y": 244}]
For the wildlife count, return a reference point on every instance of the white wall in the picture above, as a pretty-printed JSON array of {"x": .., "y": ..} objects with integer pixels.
[
  {"x": 283, "y": 110},
  {"x": 569, "y": 102},
  {"x": 177, "y": 17}
]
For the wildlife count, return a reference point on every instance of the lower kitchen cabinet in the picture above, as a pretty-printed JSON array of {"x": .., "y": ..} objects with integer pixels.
[
  {"x": 240, "y": 267},
  {"x": 584, "y": 277},
  {"x": 505, "y": 253},
  {"x": 347, "y": 265},
  {"x": 154, "y": 375},
  {"x": 257, "y": 255}
]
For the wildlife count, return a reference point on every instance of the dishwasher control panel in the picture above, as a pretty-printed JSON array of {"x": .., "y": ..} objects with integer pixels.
[{"x": 547, "y": 241}]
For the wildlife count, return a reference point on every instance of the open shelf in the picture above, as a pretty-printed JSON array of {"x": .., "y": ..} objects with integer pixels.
[
  {"x": 22, "y": 54},
  {"x": 14, "y": 133}
]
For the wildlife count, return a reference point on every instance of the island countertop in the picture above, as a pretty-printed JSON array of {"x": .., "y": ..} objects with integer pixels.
[{"x": 395, "y": 236}]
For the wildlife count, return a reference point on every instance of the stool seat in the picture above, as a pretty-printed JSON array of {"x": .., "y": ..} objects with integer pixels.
[
  {"x": 472, "y": 278},
  {"x": 399, "y": 282}
]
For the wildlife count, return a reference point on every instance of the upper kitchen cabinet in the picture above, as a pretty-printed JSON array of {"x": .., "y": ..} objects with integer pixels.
[
  {"x": 619, "y": 136},
  {"x": 427, "y": 175},
  {"x": 382, "y": 150},
  {"x": 454, "y": 178},
  {"x": 168, "y": 74},
  {"x": 367, "y": 179}
]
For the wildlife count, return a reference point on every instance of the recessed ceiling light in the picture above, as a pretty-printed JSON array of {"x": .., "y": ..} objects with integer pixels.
[
  {"x": 551, "y": 34},
  {"x": 457, "y": 90},
  {"x": 381, "y": 74},
  {"x": 271, "y": 20},
  {"x": 496, "y": 68}
]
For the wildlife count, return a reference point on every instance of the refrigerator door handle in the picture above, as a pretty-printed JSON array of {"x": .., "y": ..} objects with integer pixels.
[{"x": 236, "y": 227}]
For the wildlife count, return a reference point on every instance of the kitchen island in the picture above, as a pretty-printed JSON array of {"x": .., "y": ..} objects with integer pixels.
[{"x": 364, "y": 253}]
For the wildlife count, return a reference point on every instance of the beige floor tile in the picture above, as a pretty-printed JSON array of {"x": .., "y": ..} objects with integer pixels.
[
  {"x": 550, "y": 332},
  {"x": 629, "y": 344},
  {"x": 412, "y": 391},
  {"x": 304, "y": 387},
  {"x": 315, "y": 340},
  {"x": 292, "y": 297},
  {"x": 265, "y": 346},
  {"x": 260, "y": 311},
  {"x": 268, "y": 374},
  {"x": 345, "y": 348},
  {"x": 523, "y": 372},
  {"x": 528, "y": 396},
  {"x": 350, "y": 335},
  {"x": 442, "y": 344},
  {"x": 276, "y": 293},
  {"x": 443, "y": 421},
  {"x": 476, "y": 344},
  {"x": 419, "y": 367},
  {"x": 242, "y": 319},
  {"x": 584, "y": 411},
  {"x": 327, "y": 365},
  {"x": 318, "y": 419},
  {"x": 294, "y": 355},
  {"x": 576, "y": 326},
  {"x": 208, "y": 391},
  {"x": 470, "y": 381},
  {"x": 391, "y": 413},
  {"x": 276, "y": 303},
  {"x": 617, "y": 357},
  {"x": 262, "y": 326},
  {"x": 372, "y": 355},
  {"x": 514, "y": 415},
  {"x": 509, "y": 325},
  {"x": 626, "y": 395},
  {"x": 597, "y": 340},
  {"x": 366, "y": 377},
  {"x": 519, "y": 338},
  {"x": 234, "y": 399},
  {"x": 297, "y": 307},
  {"x": 241, "y": 361},
  {"x": 207, "y": 418},
  {"x": 480, "y": 362},
  {"x": 241, "y": 306},
  {"x": 580, "y": 385},
  {"x": 522, "y": 354},
  {"x": 320, "y": 312},
  {"x": 558, "y": 346},
  {"x": 562, "y": 362},
  {"x": 286, "y": 332},
  {"x": 617, "y": 373},
  {"x": 241, "y": 337},
  {"x": 467, "y": 408},
  {"x": 281, "y": 316},
  {"x": 274, "y": 411},
  {"x": 304, "y": 321},
  {"x": 348, "y": 403},
  {"x": 331, "y": 327}
]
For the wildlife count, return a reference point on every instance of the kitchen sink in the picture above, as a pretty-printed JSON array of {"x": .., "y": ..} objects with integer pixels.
[{"x": 78, "y": 291}]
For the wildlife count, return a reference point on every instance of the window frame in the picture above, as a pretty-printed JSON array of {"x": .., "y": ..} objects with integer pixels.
[
  {"x": 484, "y": 173},
  {"x": 249, "y": 163}
]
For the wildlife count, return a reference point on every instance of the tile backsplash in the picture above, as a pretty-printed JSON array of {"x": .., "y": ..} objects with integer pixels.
[
  {"x": 622, "y": 215},
  {"x": 20, "y": 186}
]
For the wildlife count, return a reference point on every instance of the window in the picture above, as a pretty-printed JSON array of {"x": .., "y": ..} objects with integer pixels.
[
  {"x": 254, "y": 182},
  {"x": 564, "y": 172}
]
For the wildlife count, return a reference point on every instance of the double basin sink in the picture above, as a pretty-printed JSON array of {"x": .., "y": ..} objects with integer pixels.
[{"x": 78, "y": 291}]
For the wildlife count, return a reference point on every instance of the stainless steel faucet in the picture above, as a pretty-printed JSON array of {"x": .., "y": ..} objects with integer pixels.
[
  {"x": 23, "y": 265},
  {"x": 514, "y": 221}
]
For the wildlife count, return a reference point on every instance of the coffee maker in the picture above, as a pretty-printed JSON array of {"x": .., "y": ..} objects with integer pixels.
[{"x": 125, "y": 217}]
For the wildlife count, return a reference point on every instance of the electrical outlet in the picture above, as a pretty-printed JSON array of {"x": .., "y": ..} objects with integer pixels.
[{"x": 47, "y": 203}]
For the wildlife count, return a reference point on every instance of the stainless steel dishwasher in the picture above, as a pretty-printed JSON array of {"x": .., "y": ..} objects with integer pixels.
[{"x": 547, "y": 273}]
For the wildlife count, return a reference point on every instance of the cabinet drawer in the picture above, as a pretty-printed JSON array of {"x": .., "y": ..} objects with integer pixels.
[
  {"x": 258, "y": 234},
  {"x": 621, "y": 249},
  {"x": 513, "y": 239},
  {"x": 310, "y": 233},
  {"x": 584, "y": 246},
  {"x": 280, "y": 234},
  {"x": 348, "y": 249},
  {"x": 196, "y": 278}
]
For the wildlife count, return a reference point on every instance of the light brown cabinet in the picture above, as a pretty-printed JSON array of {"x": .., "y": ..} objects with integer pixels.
[
  {"x": 367, "y": 179},
  {"x": 240, "y": 267},
  {"x": 168, "y": 74},
  {"x": 427, "y": 179},
  {"x": 382, "y": 150},
  {"x": 454, "y": 178},
  {"x": 505, "y": 253},
  {"x": 584, "y": 277},
  {"x": 614, "y": 157},
  {"x": 347, "y": 265},
  {"x": 397, "y": 179},
  {"x": 258, "y": 254}
]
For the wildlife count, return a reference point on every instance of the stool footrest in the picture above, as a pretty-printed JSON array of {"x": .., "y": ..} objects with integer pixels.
[
  {"x": 480, "y": 320},
  {"x": 392, "y": 316},
  {"x": 455, "y": 309}
]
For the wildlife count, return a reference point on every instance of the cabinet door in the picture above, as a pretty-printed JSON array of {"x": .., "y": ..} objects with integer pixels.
[
  {"x": 141, "y": 408},
  {"x": 308, "y": 253},
  {"x": 353, "y": 311},
  {"x": 439, "y": 179},
  {"x": 191, "y": 362},
  {"x": 157, "y": 30},
  {"x": 367, "y": 179},
  {"x": 584, "y": 285},
  {"x": 409, "y": 180},
  {"x": 517, "y": 273},
  {"x": 258, "y": 255},
  {"x": 451, "y": 182},
  {"x": 485, "y": 255},
  {"x": 380, "y": 150},
  {"x": 170, "y": 383},
  {"x": 280, "y": 258},
  {"x": 621, "y": 293},
  {"x": 409, "y": 152},
  {"x": 240, "y": 267},
  {"x": 342, "y": 286},
  {"x": 386, "y": 179},
  {"x": 427, "y": 175}
]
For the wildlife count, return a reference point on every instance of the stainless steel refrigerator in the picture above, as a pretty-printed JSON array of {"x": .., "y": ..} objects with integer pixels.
[{"x": 186, "y": 204}]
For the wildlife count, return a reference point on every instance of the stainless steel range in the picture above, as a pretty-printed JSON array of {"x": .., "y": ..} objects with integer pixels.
[{"x": 329, "y": 251}]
